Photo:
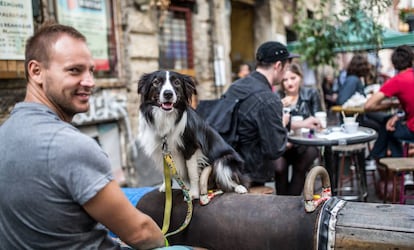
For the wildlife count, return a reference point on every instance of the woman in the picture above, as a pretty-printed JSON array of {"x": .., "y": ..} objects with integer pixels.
[
  {"x": 358, "y": 69},
  {"x": 304, "y": 102}
]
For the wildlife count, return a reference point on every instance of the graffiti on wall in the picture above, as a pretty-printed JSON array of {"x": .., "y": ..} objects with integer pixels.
[{"x": 105, "y": 105}]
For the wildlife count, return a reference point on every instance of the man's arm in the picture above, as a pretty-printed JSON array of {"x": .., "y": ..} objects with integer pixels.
[
  {"x": 111, "y": 208},
  {"x": 374, "y": 103}
]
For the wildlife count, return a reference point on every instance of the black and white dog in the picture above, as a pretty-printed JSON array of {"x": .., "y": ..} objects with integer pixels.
[{"x": 165, "y": 112}]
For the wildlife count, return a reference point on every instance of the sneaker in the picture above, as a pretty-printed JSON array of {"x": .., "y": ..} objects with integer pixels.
[
  {"x": 408, "y": 179},
  {"x": 370, "y": 165}
]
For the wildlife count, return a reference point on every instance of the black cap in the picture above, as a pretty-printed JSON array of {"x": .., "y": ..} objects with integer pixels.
[{"x": 270, "y": 52}]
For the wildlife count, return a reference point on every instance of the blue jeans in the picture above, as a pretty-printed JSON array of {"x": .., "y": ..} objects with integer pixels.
[{"x": 392, "y": 139}]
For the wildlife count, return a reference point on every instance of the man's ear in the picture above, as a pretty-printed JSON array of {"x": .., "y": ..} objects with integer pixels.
[
  {"x": 278, "y": 66},
  {"x": 35, "y": 71}
]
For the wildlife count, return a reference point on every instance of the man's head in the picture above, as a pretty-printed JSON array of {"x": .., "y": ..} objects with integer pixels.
[
  {"x": 271, "y": 52},
  {"x": 402, "y": 57},
  {"x": 39, "y": 46},
  {"x": 273, "y": 56},
  {"x": 59, "y": 70}
]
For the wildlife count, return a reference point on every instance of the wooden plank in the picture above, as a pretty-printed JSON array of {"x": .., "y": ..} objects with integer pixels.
[
  {"x": 362, "y": 238},
  {"x": 3, "y": 65},
  {"x": 398, "y": 218},
  {"x": 20, "y": 68},
  {"x": 11, "y": 69},
  {"x": 8, "y": 75},
  {"x": 12, "y": 65}
]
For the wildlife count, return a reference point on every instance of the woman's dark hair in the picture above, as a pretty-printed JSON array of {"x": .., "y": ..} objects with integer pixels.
[
  {"x": 358, "y": 66},
  {"x": 402, "y": 57}
]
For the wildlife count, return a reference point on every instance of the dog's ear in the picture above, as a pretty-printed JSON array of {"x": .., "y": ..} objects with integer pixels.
[
  {"x": 143, "y": 83},
  {"x": 189, "y": 86}
]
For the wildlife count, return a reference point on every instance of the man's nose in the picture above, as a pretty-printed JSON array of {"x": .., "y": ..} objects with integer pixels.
[{"x": 88, "y": 81}]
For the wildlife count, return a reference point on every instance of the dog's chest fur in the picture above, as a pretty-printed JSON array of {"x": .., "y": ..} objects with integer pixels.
[{"x": 152, "y": 136}]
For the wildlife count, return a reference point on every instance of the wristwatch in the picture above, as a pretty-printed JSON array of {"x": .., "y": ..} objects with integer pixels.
[{"x": 400, "y": 114}]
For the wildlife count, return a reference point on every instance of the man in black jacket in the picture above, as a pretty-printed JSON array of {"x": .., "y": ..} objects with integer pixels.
[{"x": 261, "y": 131}]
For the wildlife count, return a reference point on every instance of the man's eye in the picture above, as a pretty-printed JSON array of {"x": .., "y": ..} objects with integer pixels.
[{"x": 74, "y": 70}]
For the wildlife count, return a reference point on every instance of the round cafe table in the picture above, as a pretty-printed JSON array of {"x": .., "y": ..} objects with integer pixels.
[{"x": 330, "y": 138}]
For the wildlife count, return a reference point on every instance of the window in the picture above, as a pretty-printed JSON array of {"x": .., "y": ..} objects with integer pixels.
[
  {"x": 94, "y": 19},
  {"x": 176, "y": 50}
]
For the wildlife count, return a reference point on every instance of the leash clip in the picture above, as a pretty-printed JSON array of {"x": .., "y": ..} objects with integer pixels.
[{"x": 164, "y": 145}]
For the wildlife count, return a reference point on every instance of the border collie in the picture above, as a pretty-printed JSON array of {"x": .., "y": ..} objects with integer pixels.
[{"x": 165, "y": 112}]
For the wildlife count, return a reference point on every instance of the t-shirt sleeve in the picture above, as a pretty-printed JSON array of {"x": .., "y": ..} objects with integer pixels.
[
  {"x": 390, "y": 87},
  {"x": 81, "y": 168}
]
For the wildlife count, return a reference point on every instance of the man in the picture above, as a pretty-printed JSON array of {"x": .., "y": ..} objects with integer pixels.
[
  {"x": 56, "y": 182},
  {"x": 244, "y": 70},
  {"x": 398, "y": 127},
  {"x": 262, "y": 134}
]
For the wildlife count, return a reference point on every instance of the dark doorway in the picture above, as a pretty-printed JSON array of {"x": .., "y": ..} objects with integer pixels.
[{"x": 242, "y": 35}]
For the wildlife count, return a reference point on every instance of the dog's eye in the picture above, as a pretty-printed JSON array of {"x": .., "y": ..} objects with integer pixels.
[
  {"x": 177, "y": 82},
  {"x": 156, "y": 83}
]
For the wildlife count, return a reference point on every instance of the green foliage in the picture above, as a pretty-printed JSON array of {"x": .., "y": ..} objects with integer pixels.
[{"x": 322, "y": 36}]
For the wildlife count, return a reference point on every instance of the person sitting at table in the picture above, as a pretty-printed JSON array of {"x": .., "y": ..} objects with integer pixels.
[
  {"x": 401, "y": 125},
  {"x": 357, "y": 71},
  {"x": 302, "y": 101},
  {"x": 329, "y": 91}
]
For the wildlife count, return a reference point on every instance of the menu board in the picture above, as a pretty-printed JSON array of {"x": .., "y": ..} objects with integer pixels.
[
  {"x": 90, "y": 18},
  {"x": 16, "y": 26}
]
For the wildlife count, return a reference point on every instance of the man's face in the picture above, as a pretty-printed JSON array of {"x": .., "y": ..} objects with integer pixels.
[
  {"x": 279, "y": 72},
  {"x": 68, "y": 82}
]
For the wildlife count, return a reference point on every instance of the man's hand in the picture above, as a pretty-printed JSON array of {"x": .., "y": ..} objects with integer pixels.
[
  {"x": 285, "y": 119},
  {"x": 390, "y": 126}
]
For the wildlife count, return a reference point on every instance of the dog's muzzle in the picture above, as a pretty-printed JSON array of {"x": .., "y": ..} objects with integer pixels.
[{"x": 167, "y": 100}]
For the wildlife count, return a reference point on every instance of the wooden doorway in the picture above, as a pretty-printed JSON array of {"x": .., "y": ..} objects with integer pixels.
[{"x": 242, "y": 34}]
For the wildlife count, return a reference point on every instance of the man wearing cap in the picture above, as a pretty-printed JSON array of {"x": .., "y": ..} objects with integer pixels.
[{"x": 262, "y": 134}]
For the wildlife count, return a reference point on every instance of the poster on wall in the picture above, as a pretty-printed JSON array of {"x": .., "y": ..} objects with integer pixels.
[
  {"x": 16, "y": 25},
  {"x": 90, "y": 18}
]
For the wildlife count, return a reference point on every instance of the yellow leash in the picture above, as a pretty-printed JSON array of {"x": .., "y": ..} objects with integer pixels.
[
  {"x": 169, "y": 169},
  {"x": 168, "y": 198}
]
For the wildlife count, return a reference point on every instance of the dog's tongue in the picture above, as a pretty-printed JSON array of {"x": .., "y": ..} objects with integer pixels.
[{"x": 167, "y": 105}]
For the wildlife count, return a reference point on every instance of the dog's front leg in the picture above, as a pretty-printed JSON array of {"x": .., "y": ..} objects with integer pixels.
[
  {"x": 194, "y": 177},
  {"x": 162, "y": 187}
]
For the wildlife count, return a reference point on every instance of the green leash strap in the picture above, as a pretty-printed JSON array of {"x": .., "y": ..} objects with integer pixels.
[{"x": 169, "y": 169}]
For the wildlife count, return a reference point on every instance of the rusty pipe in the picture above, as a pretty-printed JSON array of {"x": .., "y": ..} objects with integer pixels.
[{"x": 311, "y": 202}]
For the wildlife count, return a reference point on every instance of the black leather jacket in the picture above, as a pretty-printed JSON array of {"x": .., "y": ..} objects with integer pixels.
[
  {"x": 262, "y": 136},
  {"x": 309, "y": 102}
]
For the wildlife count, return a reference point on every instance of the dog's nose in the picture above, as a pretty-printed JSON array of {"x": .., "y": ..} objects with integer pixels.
[{"x": 168, "y": 94}]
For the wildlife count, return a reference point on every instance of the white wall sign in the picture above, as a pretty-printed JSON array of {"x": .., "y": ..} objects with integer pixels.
[{"x": 16, "y": 25}]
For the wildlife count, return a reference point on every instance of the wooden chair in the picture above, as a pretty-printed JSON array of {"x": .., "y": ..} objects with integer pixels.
[{"x": 396, "y": 167}]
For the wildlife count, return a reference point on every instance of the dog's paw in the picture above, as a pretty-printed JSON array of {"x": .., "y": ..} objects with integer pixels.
[
  {"x": 240, "y": 189},
  {"x": 162, "y": 188}
]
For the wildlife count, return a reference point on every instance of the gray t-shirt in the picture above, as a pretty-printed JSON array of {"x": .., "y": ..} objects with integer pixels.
[{"x": 48, "y": 169}]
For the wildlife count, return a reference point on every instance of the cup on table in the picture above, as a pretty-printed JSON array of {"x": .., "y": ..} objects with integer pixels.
[
  {"x": 349, "y": 120},
  {"x": 350, "y": 127},
  {"x": 321, "y": 115},
  {"x": 294, "y": 119}
]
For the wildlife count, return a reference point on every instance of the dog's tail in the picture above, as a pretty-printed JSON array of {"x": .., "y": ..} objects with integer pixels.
[{"x": 228, "y": 175}]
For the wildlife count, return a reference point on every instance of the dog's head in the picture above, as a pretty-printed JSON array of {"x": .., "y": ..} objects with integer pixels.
[{"x": 166, "y": 89}]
